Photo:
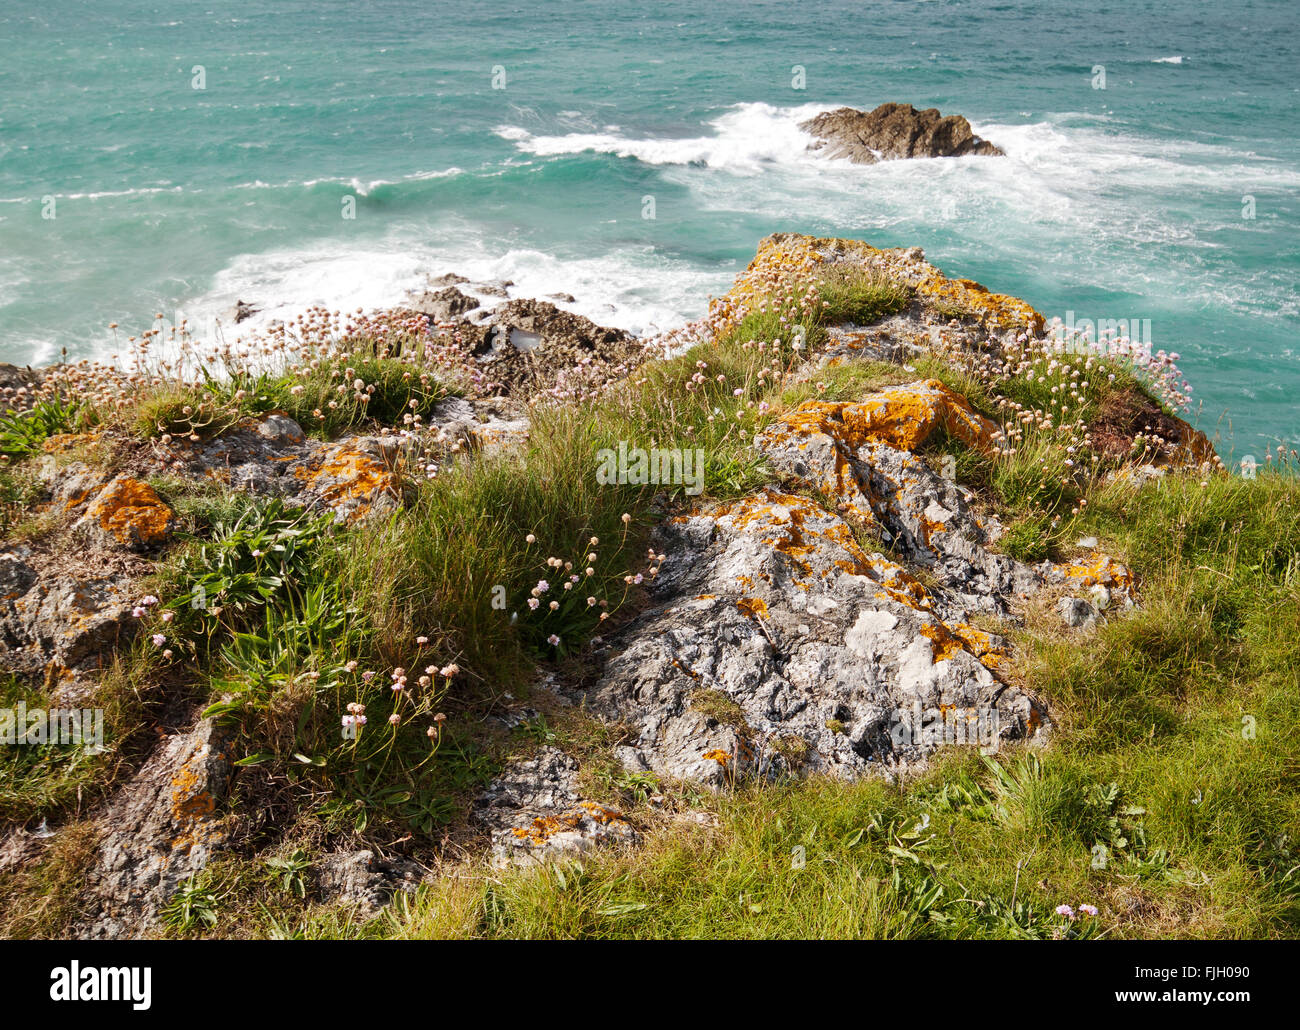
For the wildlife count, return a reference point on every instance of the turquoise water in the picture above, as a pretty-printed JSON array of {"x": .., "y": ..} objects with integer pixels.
[{"x": 1122, "y": 203}]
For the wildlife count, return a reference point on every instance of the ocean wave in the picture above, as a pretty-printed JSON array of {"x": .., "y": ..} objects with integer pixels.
[
  {"x": 1175, "y": 59},
  {"x": 745, "y": 139},
  {"x": 632, "y": 288}
]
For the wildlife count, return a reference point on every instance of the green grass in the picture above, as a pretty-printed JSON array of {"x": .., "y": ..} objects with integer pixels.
[
  {"x": 851, "y": 295},
  {"x": 1167, "y": 797},
  {"x": 50, "y": 781},
  {"x": 324, "y": 402}
]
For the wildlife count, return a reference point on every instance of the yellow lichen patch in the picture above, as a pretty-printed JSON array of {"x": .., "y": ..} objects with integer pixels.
[
  {"x": 793, "y": 526},
  {"x": 943, "y": 642},
  {"x": 543, "y": 828},
  {"x": 754, "y": 607},
  {"x": 718, "y": 755},
  {"x": 349, "y": 474},
  {"x": 1100, "y": 570},
  {"x": 980, "y": 644},
  {"x": 191, "y": 806},
  {"x": 601, "y": 814},
  {"x": 996, "y": 310},
  {"x": 903, "y": 417},
  {"x": 900, "y": 585},
  {"x": 131, "y": 512},
  {"x": 788, "y": 259},
  {"x": 78, "y": 497},
  {"x": 928, "y": 527},
  {"x": 61, "y": 443}
]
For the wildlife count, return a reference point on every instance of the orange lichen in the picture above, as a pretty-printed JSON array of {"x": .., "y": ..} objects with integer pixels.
[
  {"x": 996, "y": 310},
  {"x": 1101, "y": 570},
  {"x": 980, "y": 644},
  {"x": 793, "y": 526},
  {"x": 192, "y": 805},
  {"x": 132, "y": 512},
  {"x": 754, "y": 607},
  {"x": 943, "y": 642},
  {"x": 903, "y": 417},
  {"x": 62, "y": 442},
  {"x": 349, "y": 474},
  {"x": 543, "y": 828}
]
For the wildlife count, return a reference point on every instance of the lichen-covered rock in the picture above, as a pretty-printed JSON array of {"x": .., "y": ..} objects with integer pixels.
[
  {"x": 821, "y": 656},
  {"x": 863, "y": 456},
  {"x": 161, "y": 828},
  {"x": 72, "y": 621},
  {"x": 128, "y": 513},
  {"x": 365, "y": 882},
  {"x": 794, "y": 257},
  {"x": 533, "y": 813},
  {"x": 353, "y": 477}
]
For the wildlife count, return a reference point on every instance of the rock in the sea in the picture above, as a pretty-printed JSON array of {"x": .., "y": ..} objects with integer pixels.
[
  {"x": 493, "y": 287},
  {"x": 894, "y": 132},
  {"x": 238, "y": 312},
  {"x": 447, "y": 279},
  {"x": 443, "y": 305}
]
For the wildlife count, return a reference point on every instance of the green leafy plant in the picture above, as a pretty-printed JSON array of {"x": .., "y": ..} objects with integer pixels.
[
  {"x": 23, "y": 432},
  {"x": 193, "y": 906}
]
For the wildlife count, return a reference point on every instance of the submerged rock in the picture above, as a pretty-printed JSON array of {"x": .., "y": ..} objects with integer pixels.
[
  {"x": 894, "y": 132},
  {"x": 238, "y": 312}
]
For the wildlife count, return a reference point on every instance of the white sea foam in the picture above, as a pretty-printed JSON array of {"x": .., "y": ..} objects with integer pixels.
[
  {"x": 631, "y": 288},
  {"x": 745, "y": 140}
]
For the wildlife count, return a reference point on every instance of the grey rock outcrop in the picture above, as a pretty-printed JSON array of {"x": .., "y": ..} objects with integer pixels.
[
  {"x": 365, "y": 882},
  {"x": 53, "y": 623},
  {"x": 533, "y": 813},
  {"x": 443, "y": 305},
  {"x": 161, "y": 828}
]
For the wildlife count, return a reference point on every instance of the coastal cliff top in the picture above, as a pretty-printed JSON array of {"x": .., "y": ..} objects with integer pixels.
[{"x": 369, "y": 599}]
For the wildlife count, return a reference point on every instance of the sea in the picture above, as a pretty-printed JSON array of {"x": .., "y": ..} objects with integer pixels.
[{"x": 175, "y": 157}]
